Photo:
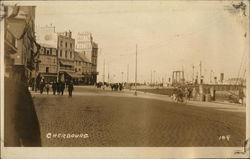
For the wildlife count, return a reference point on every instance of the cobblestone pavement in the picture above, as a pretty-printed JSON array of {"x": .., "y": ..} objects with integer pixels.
[{"x": 99, "y": 117}]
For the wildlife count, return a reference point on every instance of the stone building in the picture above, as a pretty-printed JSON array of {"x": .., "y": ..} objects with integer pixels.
[
  {"x": 89, "y": 49},
  {"x": 20, "y": 45},
  {"x": 83, "y": 69},
  {"x": 48, "y": 63},
  {"x": 65, "y": 54},
  {"x": 21, "y": 126},
  {"x": 78, "y": 68},
  {"x": 46, "y": 35}
]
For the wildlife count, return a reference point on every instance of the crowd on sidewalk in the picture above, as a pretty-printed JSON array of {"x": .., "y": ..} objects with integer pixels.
[
  {"x": 57, "y": 87},
  {"x": 113, "y": 86}
]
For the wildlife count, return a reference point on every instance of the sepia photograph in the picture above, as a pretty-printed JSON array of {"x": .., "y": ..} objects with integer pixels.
[{"x": 131, "y": 75}]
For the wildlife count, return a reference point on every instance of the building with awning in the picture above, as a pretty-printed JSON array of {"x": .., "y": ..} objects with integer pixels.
[
  {"x": 88, "y": 50},
  {"x": 48, "y": 63},
  {"x": 66, "y": 48}
]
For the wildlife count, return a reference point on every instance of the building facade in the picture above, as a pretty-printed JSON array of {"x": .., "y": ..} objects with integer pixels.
[
  {"x": 20, "y": 45},
  {"x": 89, "y": 49},
  {"x": 75, "y": 61},
  {"x": 65, "y": 54},
  {"x": 46, "y": 35},
  {"x": 48, "y": 63}
]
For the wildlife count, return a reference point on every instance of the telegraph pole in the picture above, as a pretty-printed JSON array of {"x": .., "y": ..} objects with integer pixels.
[
  {"x": 151, "y": 78},
  {"x": 193, "y": 74},
  {"x": 122, "y": 77},
  {"x": 127, "y": 73},
  {"x": 136, "y": 70},
  {"x": 103, "y": 72},
  {"x": 200, "y": 71},
  {"x": 108, "y": 73}
]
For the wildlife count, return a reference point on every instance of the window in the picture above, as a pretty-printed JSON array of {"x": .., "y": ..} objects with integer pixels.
[
  {"x": 66, "y": 54},
  {"x": 44, "y": 51},
  {"x": 66, "y": 44},
  {"x": 60, "y": 53},
  {"x": 47, "y": 51},
  {"x": 70, "y": 54},
  {"x": 54, "y": 61},
  {"x": 50, "y": 51},
  {"x": 71, "y": 45},
  {"x": 47, "y": 69},
  {"x": 61, "y": 43}
]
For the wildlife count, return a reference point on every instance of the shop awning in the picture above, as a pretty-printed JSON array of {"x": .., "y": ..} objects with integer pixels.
[{"x": 73, "y": 75}]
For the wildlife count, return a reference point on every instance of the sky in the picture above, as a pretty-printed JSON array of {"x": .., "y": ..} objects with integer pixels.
[{"x": 169, "y": 36}]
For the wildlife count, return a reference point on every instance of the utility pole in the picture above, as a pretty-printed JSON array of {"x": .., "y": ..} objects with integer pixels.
[
  {"x": 151, "y": 78},
  {"x": 193, "y": 74},
  {"x": 136, "y": 70},
  {"x": 103, "y": 72},
  {"x": 127, "y": 73},
  {"x": 108, "y": 73},
  {"x": 200, "y": 71},
  {"x": 211, "y": 76},
  {"x": 122, "y": 77}
]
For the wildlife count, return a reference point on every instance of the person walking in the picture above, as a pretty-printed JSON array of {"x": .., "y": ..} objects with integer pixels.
[
  {"x": 47, "y": 88},
  {"x": 42, "y": 85},
  {"x": 70, "y": 88},
  {"x": 54, "y": 87},
  {"x": 58, "y": 88},
  {"x": 62, "y": 87}
]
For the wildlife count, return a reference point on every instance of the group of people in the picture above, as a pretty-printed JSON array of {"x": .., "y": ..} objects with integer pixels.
[
  {"x": 113, "y": 86},
  {"x": 181, "y": 94},
  {"x": 57, "y": 87}
]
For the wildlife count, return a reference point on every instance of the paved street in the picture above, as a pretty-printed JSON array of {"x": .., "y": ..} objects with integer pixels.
[{"x": 121, "y": 119}]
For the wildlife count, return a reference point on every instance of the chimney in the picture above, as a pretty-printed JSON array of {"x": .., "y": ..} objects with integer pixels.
[{"x": 70, "y": 33}]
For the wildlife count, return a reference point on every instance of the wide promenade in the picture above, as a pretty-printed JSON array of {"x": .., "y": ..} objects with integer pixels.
[{"x": 97, "y": 117}]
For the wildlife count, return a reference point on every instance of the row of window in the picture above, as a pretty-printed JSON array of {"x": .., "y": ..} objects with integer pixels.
[
  {"x": 46, "y": 51},
  {"x": 66, "y": 54},
  {"x": 66, "y": 44}
]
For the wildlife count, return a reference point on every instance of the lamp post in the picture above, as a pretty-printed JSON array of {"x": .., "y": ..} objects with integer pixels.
[
  {"x": 127, "y": 73},
  {"x": 136, "y": 70},
  {"x": 122, "y": 77}
]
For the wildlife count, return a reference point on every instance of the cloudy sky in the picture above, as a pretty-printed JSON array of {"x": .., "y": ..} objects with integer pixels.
[{"x": 170, "y": 35}]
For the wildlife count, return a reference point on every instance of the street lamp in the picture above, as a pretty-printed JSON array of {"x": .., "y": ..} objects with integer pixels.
[
  {"x": 122, "y": 77},
  {"x": 136, "y": 70}
]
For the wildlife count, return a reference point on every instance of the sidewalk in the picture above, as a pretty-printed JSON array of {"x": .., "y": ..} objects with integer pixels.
[
  {"x": 140, "y": 94},
  {"x": 216, "y": 105}
]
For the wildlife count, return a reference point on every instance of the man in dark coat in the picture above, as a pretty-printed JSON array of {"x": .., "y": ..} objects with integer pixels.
[
  {"x": 54, "y": 87},
  {"x": 70, "y": 88},
  {"x": 58, "y": 88},
  {"x": 42, "y": 85},
  {"x": 62, "y": 87}
]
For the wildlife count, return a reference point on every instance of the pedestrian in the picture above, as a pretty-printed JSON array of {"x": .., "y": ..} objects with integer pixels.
[
  {"x": 120, "y": 86},
  {"x": 70, "y": 88},
  {"x": 47, "y": 88},
  {"x": 42, "y": 85},
  {"x": 58, "y": 88},
  {"x": 62, "y": 87},
  {"x": 54, "y": 87}
]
